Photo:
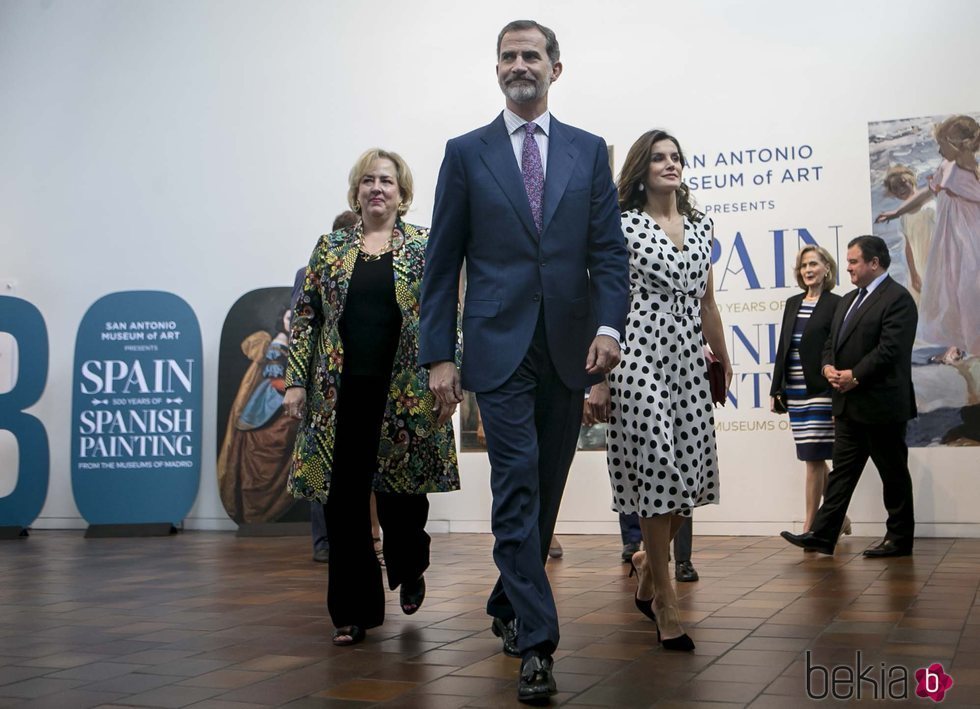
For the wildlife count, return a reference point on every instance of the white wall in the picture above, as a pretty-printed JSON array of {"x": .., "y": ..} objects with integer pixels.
[{"x": 200, "y": 146}]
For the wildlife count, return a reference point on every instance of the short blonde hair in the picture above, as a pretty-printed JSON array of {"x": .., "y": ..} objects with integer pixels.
[
  {"x": 829, "y": 278},
  {"x": 896, "y": 175},
  {"x": 402, "y": 175}
]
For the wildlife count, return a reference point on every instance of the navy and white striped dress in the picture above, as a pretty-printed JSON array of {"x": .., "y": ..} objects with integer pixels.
[{"x": 810, "y": 418}]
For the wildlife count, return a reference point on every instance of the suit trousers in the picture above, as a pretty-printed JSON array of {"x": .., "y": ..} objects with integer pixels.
[
  {"x": 531, "y": 423},
  {"x": 854, "y": 443},
  {"x": 355, "y": 594}
]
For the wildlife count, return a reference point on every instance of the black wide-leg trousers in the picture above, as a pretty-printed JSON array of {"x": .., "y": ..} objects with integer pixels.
[{"x": 355, "y": 594}]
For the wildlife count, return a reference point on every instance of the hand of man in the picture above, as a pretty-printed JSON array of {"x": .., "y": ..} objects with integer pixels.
[
  {"x": 294, "y": 402},
  {"x": 831, "y": 374},
  {"x": 596, "y": 407},
  {"x": 604, "y": 354},
  {"x": 846, "y": 380},
  {"x": 444, "y": 383}
]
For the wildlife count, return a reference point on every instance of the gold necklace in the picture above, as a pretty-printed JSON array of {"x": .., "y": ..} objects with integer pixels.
[{"x": 395, "y": 242}]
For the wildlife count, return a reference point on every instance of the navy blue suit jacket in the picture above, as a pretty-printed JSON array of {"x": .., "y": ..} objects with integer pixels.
[{"x": 576, "y": 269}]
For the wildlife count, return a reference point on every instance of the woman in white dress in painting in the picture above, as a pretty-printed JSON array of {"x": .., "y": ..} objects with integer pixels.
[
  {"x": 661, "y": 440},
  {"x": 948, "y": 312}
]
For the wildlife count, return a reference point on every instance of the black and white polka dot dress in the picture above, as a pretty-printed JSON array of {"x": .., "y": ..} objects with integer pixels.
[{"x": 661, "y": 436}]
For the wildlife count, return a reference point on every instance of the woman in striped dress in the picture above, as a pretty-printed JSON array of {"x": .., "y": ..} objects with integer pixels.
[{"x": 798, "y": 387}]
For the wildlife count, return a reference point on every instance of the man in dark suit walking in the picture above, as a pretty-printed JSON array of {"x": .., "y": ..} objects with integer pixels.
[
  {"x": 868, "y": 362},
  {"x": 529, "y": 204}
]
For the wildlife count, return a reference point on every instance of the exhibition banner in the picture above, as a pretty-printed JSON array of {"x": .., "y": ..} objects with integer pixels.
[{"x": 136, "y": 409}]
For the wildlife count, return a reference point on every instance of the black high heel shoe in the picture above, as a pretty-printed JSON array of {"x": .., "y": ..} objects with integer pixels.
[
  {"x": 645, "y": 607},
  {"x": 682, "y": 643}
]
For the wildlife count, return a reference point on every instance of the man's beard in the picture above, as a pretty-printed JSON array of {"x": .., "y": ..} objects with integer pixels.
[{"x": 522, "y": 91}]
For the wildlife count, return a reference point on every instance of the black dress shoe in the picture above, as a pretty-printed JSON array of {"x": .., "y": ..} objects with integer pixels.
[
  {"x": 808, "y": 542},
  {"x": 887, "y": 548},
  {"x": 506, "y": 630},
  {"x": 537, "y": 682},
  {"x": 629, "y": 549},
  {"x": 685, "y": 571}
]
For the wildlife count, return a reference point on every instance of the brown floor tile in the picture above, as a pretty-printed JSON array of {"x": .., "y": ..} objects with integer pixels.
[
  {"x": 368, "y": 690},
  {"x": 705, "y": 691},
  {"x": 171, "y": 697},
  {"x": 463, "y": 686},
  {"x": 37, "y": 687},
  {"x": 227, "y": 679},
  {"x": 221, "y": 704}
]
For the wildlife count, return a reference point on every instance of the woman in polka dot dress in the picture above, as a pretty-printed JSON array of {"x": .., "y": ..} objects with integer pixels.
[{"x": 661, "y": 440}]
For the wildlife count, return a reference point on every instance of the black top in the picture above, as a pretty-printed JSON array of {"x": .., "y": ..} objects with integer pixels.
[
  {"x": 371, "y": 323},
  {"x": 815, "y": 335}
]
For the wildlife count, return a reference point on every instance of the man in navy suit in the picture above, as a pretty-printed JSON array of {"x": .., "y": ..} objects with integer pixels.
[
  {"x": 868, "y": 362},
  {"x": 530, "y": 205}
]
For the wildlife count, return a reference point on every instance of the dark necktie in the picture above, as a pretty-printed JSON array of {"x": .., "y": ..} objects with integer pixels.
[
  {"x": 854, "y": 308},
  {"x": 533, "y": 173}
]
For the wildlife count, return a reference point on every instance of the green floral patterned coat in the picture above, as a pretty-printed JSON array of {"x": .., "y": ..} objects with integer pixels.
[{"x": 415, "y": 455}]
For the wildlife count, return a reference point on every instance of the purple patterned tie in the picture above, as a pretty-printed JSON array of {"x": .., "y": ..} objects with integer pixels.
[{"x": 533, "y": 173}]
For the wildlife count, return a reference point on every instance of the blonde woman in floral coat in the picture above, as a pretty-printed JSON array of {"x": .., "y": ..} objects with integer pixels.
[{"x": 369, "y": 421}]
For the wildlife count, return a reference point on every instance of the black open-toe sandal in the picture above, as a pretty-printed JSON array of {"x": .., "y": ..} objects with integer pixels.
[
  {"x": 411, "y": 598},
  {"x": 348, "y": 635}
]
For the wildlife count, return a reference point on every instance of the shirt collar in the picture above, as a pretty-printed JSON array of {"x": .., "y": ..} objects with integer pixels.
[
  {"x": 514, "y": 122},
  {"x": 876, "y": 282}
]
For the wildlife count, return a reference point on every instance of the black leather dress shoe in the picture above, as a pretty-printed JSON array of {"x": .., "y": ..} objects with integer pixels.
[
  {"x": 887, "y": 548},
  {"x": 537, "y": 682},
  {"x": 685, "y": 571},
  {"x": 808, "y": 542},
  {"x": 506, "y": 630}
]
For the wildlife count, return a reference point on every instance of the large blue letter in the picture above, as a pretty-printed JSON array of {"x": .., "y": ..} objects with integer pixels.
[{"x": 26, "y": 324}]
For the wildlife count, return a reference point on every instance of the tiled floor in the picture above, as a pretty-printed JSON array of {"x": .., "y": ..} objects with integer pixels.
[{"x": 210, "y": 621}]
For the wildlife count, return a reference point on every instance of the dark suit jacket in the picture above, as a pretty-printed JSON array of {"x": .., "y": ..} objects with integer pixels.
[
  {"x": 811, "y": 345},
  {"x": 482, "y": 215},
  {"x": 877, "y": 348}
]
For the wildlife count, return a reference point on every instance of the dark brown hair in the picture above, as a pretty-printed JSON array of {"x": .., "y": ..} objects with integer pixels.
[
  {"x": 872, "y": 247},
  {"x": 632, "y": 177},
  {"x": 550, "y": 40}
]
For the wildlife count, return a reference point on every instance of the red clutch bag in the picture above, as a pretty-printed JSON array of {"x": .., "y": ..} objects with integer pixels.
[{"x": 716, "y": 377}]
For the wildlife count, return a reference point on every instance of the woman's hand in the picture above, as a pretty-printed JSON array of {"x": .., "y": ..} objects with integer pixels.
[
  {"x": 729, "y": 374},
  {"x": 772, "y": 404},
  {"x": 884, "y": 217},
  {"x": 294, "y": 402},
  {"x": 596, "y": 407}
]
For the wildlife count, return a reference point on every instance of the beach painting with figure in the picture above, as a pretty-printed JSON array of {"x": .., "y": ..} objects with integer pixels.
[{"x": 925, "y": 201}]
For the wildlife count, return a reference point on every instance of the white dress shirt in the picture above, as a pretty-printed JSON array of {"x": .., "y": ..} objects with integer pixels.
[
  {"x": 515, "y": 127},
  {"x": 870, "y": 289}
]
